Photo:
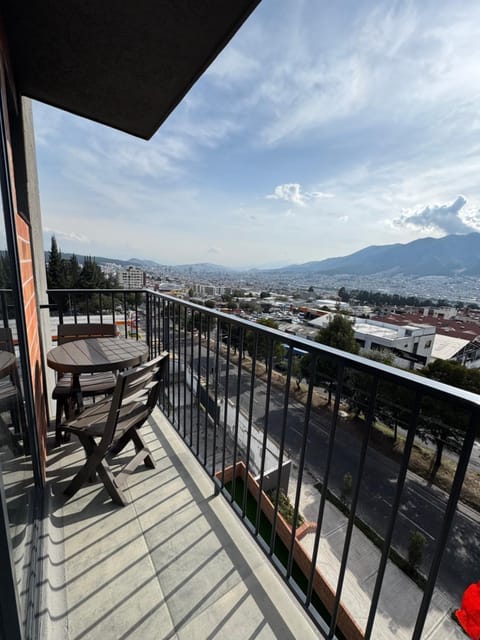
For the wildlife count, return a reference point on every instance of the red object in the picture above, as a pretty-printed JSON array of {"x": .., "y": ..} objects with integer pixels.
[{"x": 469, "y": 614}]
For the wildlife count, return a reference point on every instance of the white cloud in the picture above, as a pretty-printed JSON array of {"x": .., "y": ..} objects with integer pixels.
[
  {"x": 292, "y": 192},
  {"x": 65, "y": 235},
  {"x": 232, "y": 66},
  {"x": 449, "y": 218}
]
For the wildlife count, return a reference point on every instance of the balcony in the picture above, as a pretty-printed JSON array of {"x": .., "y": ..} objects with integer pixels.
[
  {"x": 230, "y": 433},
  {"x": 174, "y": 563}
]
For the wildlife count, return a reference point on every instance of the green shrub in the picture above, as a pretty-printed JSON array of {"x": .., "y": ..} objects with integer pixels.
[
  {"x": 415, "y": 548},
  {"x": 285, "y": 507}
]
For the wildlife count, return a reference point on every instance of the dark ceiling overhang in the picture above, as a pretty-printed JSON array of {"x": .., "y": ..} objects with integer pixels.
[{"x": 126, "y": 64}]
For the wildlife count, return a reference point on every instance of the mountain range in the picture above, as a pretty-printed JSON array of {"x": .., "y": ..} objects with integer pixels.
[{"x": 453, "y": 255}]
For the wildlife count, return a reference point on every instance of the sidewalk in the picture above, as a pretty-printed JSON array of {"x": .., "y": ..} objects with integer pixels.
[{"x": 400, "y": 597}]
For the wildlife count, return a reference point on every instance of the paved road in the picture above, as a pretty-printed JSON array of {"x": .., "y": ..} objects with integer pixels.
[{"x": 422, "y": 506}]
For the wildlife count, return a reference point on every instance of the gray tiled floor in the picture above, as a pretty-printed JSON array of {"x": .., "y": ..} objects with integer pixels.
[{"x": 174, "y": 563}]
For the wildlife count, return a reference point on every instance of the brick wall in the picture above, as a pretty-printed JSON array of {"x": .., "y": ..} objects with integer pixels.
[{"x": 32, "y": 326}]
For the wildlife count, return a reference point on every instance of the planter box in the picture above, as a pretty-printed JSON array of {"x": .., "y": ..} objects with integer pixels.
[{"x": 321, "y": 586}]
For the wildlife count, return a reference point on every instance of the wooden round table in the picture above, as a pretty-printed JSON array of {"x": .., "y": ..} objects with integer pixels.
[
  {"x": 94, "y": 355},
  {"x": 97, "y": 354}
]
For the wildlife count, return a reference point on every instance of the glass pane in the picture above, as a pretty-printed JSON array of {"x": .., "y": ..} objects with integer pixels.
[{"x": 15, "y": 458}]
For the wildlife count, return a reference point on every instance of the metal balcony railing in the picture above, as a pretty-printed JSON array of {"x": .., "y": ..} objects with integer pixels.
[{"x": 264, "y": 411}]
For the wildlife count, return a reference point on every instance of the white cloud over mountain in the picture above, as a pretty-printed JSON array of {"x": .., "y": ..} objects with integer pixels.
[{"x": 450, "y": 218}]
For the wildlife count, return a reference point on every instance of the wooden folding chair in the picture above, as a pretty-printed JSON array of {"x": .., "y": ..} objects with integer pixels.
[
  {"x": 106, "y": 427},
  {"x": 91, "y": 385}
]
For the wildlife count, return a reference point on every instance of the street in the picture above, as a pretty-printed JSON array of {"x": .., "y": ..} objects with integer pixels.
[{"x": 422, "y": 506}]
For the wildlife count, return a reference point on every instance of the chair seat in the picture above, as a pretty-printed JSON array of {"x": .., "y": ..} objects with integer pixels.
[
  {"x": 90, "y": 384},
  {"x": 92, "y": 420},
  {"x": 8, "y": 394}
]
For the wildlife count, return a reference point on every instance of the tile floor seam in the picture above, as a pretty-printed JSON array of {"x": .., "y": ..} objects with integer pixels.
[{"x": 152, "y": 565}]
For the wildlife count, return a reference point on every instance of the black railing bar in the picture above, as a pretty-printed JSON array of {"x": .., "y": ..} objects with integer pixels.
[
  {"x": 74, "y": 309},
  {"x": 394, "y": 512},
  {"x": 136, "y": 315},
  {"x": 237, "y": 412},
  {"x": 326, "y": 475},
  {"x": 185, "y": 373},
  {"x": 249, "y": 424},
  {"x": 301, "y": 466},
  {"x": 101, "y": 306},
  {"x": 171, "y": 325},
  {"x": 192, "y": 353},
  {"x": 265, "y": 435},
  {"x": 149, "y": 317},
  {"x": 370, "y": 418},
  {"x": 226, "y": 400},
  {"x": 451, "y": 507},
  {"x": 171, "y": 379},
  {"x": 286, "y": 403},
  {"x": 113, "y": 307},
  {"x": 87, "y": 299},
  {"x": 199, "y": 382},
  {"x": 217, "y": 412},
  {"x": 179, "y": 376},
  {"x": 207, "y": 390},
  {"x": 125, "y": 314}
]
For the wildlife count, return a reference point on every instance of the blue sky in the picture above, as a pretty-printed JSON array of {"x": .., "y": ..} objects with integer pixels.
[{"x": 322, "y": 128}]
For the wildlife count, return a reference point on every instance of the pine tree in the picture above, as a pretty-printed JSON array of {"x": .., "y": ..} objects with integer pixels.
[
  {"x": 74, "y": 271},
  {"x": 56, "y": 271},
  {"x": 91, "y": 276}
]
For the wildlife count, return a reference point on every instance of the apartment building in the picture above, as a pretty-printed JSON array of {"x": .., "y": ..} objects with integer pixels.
[{"x": 132, "y": 278}]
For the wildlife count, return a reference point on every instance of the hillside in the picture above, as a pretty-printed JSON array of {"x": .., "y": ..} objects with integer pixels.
[{"x": 448, "y": 256}]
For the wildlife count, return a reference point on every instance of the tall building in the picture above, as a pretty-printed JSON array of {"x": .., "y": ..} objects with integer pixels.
[{"x": 132, "y": 278}]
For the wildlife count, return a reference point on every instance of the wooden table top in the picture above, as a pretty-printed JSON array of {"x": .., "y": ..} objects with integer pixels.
[
  {"x": 7, "y": 360},
  {"x": 97, "y": 354}
]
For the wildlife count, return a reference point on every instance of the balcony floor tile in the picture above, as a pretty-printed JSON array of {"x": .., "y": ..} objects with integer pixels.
[{"x": 174, "y": 563}]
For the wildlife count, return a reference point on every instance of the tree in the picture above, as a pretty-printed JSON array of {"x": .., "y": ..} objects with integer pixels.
[
  {"x": 91, "y": 276},
  {"x": 339, "y": 334},
  {"x": 73, "y": 272},
  {"x": 232, "y": 334},
  {"x": 202, "y": 322},
  {"x": 440, "y": 422},
  {"x": 261, "y": 344},
  {"x": 360, "y": 387},
  {"x": 56, "y": 270},
  {"x": 264, "y": 294}
]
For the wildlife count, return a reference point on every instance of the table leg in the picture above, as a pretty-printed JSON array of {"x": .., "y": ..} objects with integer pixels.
[{"x": 77, "y": 392}]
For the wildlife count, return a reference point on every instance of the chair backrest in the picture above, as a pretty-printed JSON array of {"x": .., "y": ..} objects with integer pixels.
[
  {"x": 70, "y": 332},
  {"x": 135, "y": 396},
  {"x": 6, "y": 340}
]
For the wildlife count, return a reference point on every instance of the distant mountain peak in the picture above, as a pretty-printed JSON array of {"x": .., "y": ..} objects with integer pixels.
[{"x": 448, "y": 256}]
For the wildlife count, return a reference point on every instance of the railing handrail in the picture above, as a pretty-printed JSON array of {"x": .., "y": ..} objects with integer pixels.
[
  {"x": 358, "y": 362},
  {"x": 225, "y": 421},
  {"x": 409, "y": 378}
]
